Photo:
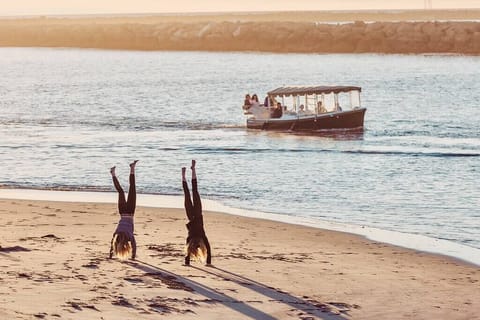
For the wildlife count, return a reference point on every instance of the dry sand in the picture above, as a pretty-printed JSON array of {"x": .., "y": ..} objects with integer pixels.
[
  {"x": 418, "y": 31},
  {"x": 54, "y": 266}
]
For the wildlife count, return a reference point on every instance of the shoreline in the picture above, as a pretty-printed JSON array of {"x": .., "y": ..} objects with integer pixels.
[
  {"x": 58, "y": 252},
  {"x": 421, "y": 243}
]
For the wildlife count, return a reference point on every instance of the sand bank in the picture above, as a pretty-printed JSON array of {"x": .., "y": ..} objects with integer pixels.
[
  {"x": 56, "y": 253},
  {"x": 274, "y": 32}
]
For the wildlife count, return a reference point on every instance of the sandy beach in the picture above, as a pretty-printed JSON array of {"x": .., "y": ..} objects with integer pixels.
[
  {"x": 414, "y": 31},
  {"x": 55, "y": 266}
]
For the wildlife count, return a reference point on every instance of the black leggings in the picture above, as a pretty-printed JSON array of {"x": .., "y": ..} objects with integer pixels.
[
  {"x": 193, "y": 209},
  {"x": 126, "y": 207}
]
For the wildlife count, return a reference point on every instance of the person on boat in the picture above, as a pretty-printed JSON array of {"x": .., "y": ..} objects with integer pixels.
[
  {"x": 197, "y": 245},
  {"x": 320, "y": 107},
  {"x": 123, "y": 242},
  {"x": 301, "y": 110},
  {"x": 267, "y": 102},
  {"x": 277, "y": 111},
  {"x": 247, "y": 101},
  {"x": 254, "y": 101},
  {"x": 338, "y": 107}
]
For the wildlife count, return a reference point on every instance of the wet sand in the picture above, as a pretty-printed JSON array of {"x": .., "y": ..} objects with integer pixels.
[
  {"x": 415, "y": 31},
  {"x": 54, "y": 265}
]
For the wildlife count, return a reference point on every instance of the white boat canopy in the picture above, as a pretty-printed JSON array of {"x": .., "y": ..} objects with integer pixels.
[{"x": 301, "y": 91}]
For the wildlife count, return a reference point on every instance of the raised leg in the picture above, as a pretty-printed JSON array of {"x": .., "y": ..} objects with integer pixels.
[
  {"x": 122, "y": 204},
  {"x": 132, "y": 192},
  {"x": 197, "y": 203},
  {"x": 188, "y": 201}
]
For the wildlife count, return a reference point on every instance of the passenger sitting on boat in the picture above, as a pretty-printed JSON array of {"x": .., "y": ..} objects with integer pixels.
[
  {"x": 277, "y": 111},
  {"x": 254, "y": 100},
  {"x": 301, "y": 109},
  {"x": 267, "y": 102},
  {"x": 337, "y": 107},
  {"x": 320, "y": 107},
  {"x": 247, "y": 101}
]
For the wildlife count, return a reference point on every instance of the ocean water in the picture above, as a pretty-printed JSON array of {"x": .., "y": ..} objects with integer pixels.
[{"x": 68, "y": 115}]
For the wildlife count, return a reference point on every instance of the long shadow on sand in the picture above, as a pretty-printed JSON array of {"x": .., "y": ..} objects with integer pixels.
[
  {"x": 319, "y": 310},
  {"x": 199, "y": 288},
  {"x": 311, "y": 307},
  {"x": 14, "y": 249}
]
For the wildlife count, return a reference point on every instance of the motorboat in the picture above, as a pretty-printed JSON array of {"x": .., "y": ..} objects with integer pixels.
[{"x": 307, "y": 108}]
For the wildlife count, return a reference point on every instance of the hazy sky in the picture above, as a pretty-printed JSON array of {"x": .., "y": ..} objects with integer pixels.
[{"x": 28, "y": 7}]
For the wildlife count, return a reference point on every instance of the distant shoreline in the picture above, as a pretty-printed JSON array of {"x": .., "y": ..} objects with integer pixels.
[{"x": 300, "y": 15}]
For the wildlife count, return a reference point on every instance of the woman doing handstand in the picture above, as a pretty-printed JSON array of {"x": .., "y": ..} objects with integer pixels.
[
  {"x": 197, "y": 242},
  {"x": 123, "y": 242}
]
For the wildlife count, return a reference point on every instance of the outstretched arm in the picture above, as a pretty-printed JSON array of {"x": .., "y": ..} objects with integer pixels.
[
  {"x": 134, "y": 248},
  {"x": 209, "y": 250},
  {"x": 111, "y": 248}
]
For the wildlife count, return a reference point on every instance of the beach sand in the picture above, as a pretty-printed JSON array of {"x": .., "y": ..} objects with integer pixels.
[
  {"x": 415, "y": 31},
  {"x": 54, "y": 265}
]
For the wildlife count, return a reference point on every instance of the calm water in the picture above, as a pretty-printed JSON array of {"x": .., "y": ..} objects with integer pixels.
[{"x": 68, "y": 115}]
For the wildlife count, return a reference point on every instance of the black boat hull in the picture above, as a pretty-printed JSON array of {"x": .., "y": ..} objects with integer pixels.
[{"x": 351, "y": 119}]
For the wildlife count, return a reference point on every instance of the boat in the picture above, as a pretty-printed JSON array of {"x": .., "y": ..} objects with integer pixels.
[{"x": 307, "y": 108}]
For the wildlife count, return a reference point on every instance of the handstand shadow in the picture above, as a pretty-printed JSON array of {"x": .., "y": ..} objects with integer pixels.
[
  {"x": 14, "y": 249},
  {"x": 313, "y": 308},
  {"x": 199, "y": 288},
  {"x": 4, "y": 252}
]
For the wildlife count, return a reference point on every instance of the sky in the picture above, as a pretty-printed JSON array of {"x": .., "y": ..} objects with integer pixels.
[{"x": 47, "y": 7}]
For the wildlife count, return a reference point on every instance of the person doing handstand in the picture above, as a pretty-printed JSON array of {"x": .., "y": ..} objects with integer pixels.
[
  {"x": 197, "y": 246},
  {"x": 123, "y": 242}
]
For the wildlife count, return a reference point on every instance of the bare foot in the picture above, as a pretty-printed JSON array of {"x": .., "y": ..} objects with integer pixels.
[
  {"x": 132, "y": 165},
  {"x": 193, "y": 164},
  {"x": 183, "y": 173},
  {"x": 112, "y": 171}
]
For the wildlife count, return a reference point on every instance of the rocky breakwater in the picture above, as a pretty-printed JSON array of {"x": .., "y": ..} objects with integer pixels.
[{"x": 304, "y": 37}]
